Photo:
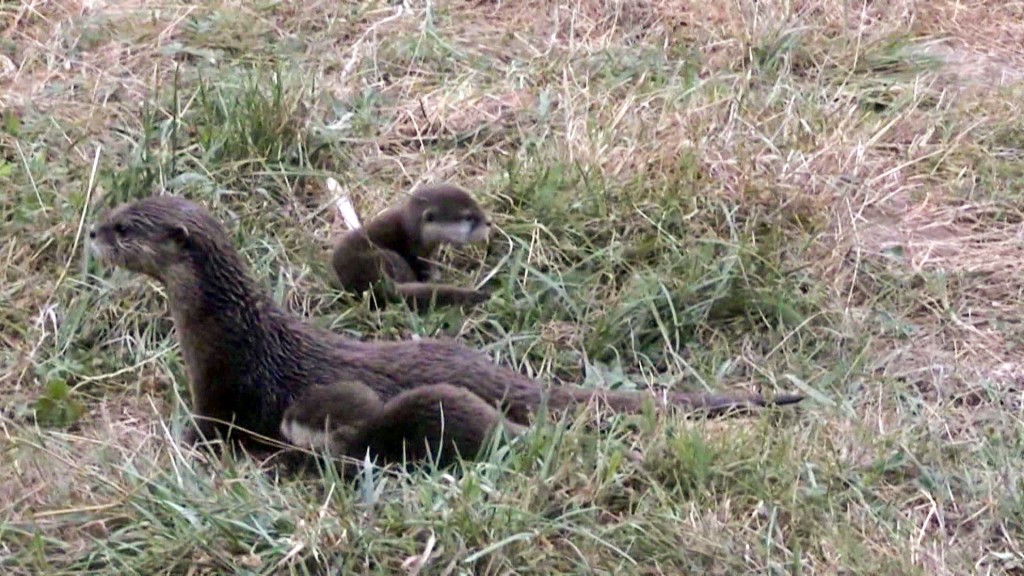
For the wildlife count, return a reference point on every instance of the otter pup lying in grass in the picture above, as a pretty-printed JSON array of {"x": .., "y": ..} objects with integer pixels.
[{"x": 393, "y": 251}]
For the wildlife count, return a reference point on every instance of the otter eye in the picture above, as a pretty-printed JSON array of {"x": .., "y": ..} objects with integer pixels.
[
  {"x": 120, "y": 229},
  {"x": 428, "y": 216}
]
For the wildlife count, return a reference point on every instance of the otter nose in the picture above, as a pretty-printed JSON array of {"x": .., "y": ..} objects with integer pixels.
[{"x": 92, "y": 232}]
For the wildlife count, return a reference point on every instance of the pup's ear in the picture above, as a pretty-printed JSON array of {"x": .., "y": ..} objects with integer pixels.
[{"x": 180, "y": 235}]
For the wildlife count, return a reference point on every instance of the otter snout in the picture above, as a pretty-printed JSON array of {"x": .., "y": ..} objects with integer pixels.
[
  {"x": 482, "y": 231},
  {"x": 96, "y": 246},
  {"x": 463, "y": 231}
]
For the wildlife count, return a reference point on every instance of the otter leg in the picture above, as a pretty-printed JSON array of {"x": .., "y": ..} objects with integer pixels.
[
  {"x": 197, "y": 431},
  {"x": 211, "y": 415},
  {"x": 409, "y": 284},
  {"x": 394, "y": 266},
  {"x": 215, "y": 434},
  {"x": 359, "y": 265},
  {"x": 437, "y": 421}
]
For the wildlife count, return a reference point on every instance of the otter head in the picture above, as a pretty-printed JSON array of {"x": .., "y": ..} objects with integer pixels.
[
  {"x": 153, "y": 236},
  {"x": 447, "y": 214}
]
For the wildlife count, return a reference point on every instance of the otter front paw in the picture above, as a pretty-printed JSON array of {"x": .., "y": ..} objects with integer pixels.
[
  {"x": 190, "y": 435},
  {"x": 194, "y": 435},
  {"x": 477, "y": 296}
]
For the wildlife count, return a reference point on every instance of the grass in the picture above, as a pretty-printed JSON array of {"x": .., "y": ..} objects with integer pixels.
[{"x": 770, "y": 196}]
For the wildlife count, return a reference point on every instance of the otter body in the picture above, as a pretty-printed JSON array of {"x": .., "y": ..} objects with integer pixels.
[
  {"x": 395, "y": 249},
  {"x": 248, "y": 360}
]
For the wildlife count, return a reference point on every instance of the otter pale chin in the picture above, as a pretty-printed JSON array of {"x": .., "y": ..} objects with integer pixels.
[
  {"x": 392, "y": 254},
  {"x": 248, "y": 360}
]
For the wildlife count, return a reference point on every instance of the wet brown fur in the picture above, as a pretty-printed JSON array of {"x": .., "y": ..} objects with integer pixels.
[
  {"x": 393, "y": 251},
  {"x": 248, "y": 360}
]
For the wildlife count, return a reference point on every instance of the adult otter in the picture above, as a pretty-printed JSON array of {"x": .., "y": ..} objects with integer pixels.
[
  {"x": 248, "y": 360},
  {"x": 395, "y": 249}
]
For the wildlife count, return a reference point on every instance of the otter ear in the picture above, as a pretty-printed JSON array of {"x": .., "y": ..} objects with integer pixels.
[{"x": 180, "y": 235}]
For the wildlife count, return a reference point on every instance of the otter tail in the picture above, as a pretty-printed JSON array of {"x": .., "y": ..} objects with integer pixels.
[
  {"x": 707, "y": 404},
  {"x": 419, "y": 295}
]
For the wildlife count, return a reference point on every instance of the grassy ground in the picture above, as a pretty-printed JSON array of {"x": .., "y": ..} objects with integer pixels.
[{"x": 811, "y": 194}]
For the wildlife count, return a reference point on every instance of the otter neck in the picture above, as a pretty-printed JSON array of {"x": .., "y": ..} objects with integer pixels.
[
  {"x": 244, "y": 354},
  {"x": 411, "y": 227},
  {"x": 213, "y": 295},
  {"x": 394, "y": 230}
]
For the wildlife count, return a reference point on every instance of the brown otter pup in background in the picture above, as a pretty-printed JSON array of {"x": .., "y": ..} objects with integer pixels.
[
  {"x": 248, "y": 360},
  {"x": 394, "y": 250}
]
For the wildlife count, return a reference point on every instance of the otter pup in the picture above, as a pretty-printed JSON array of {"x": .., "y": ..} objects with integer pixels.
[
  {"x": 330, "y": 417},
  {"x": 393, "y": 251},
  {"x": 248, "y": 359},
  {"x": 347, "y": 419}
]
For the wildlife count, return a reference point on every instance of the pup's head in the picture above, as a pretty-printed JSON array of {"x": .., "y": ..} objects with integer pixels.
[
  {"x": 329, "y": 417},
  {"x": 153, "y": 236},
  {"x": 445, "y": 213}
]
